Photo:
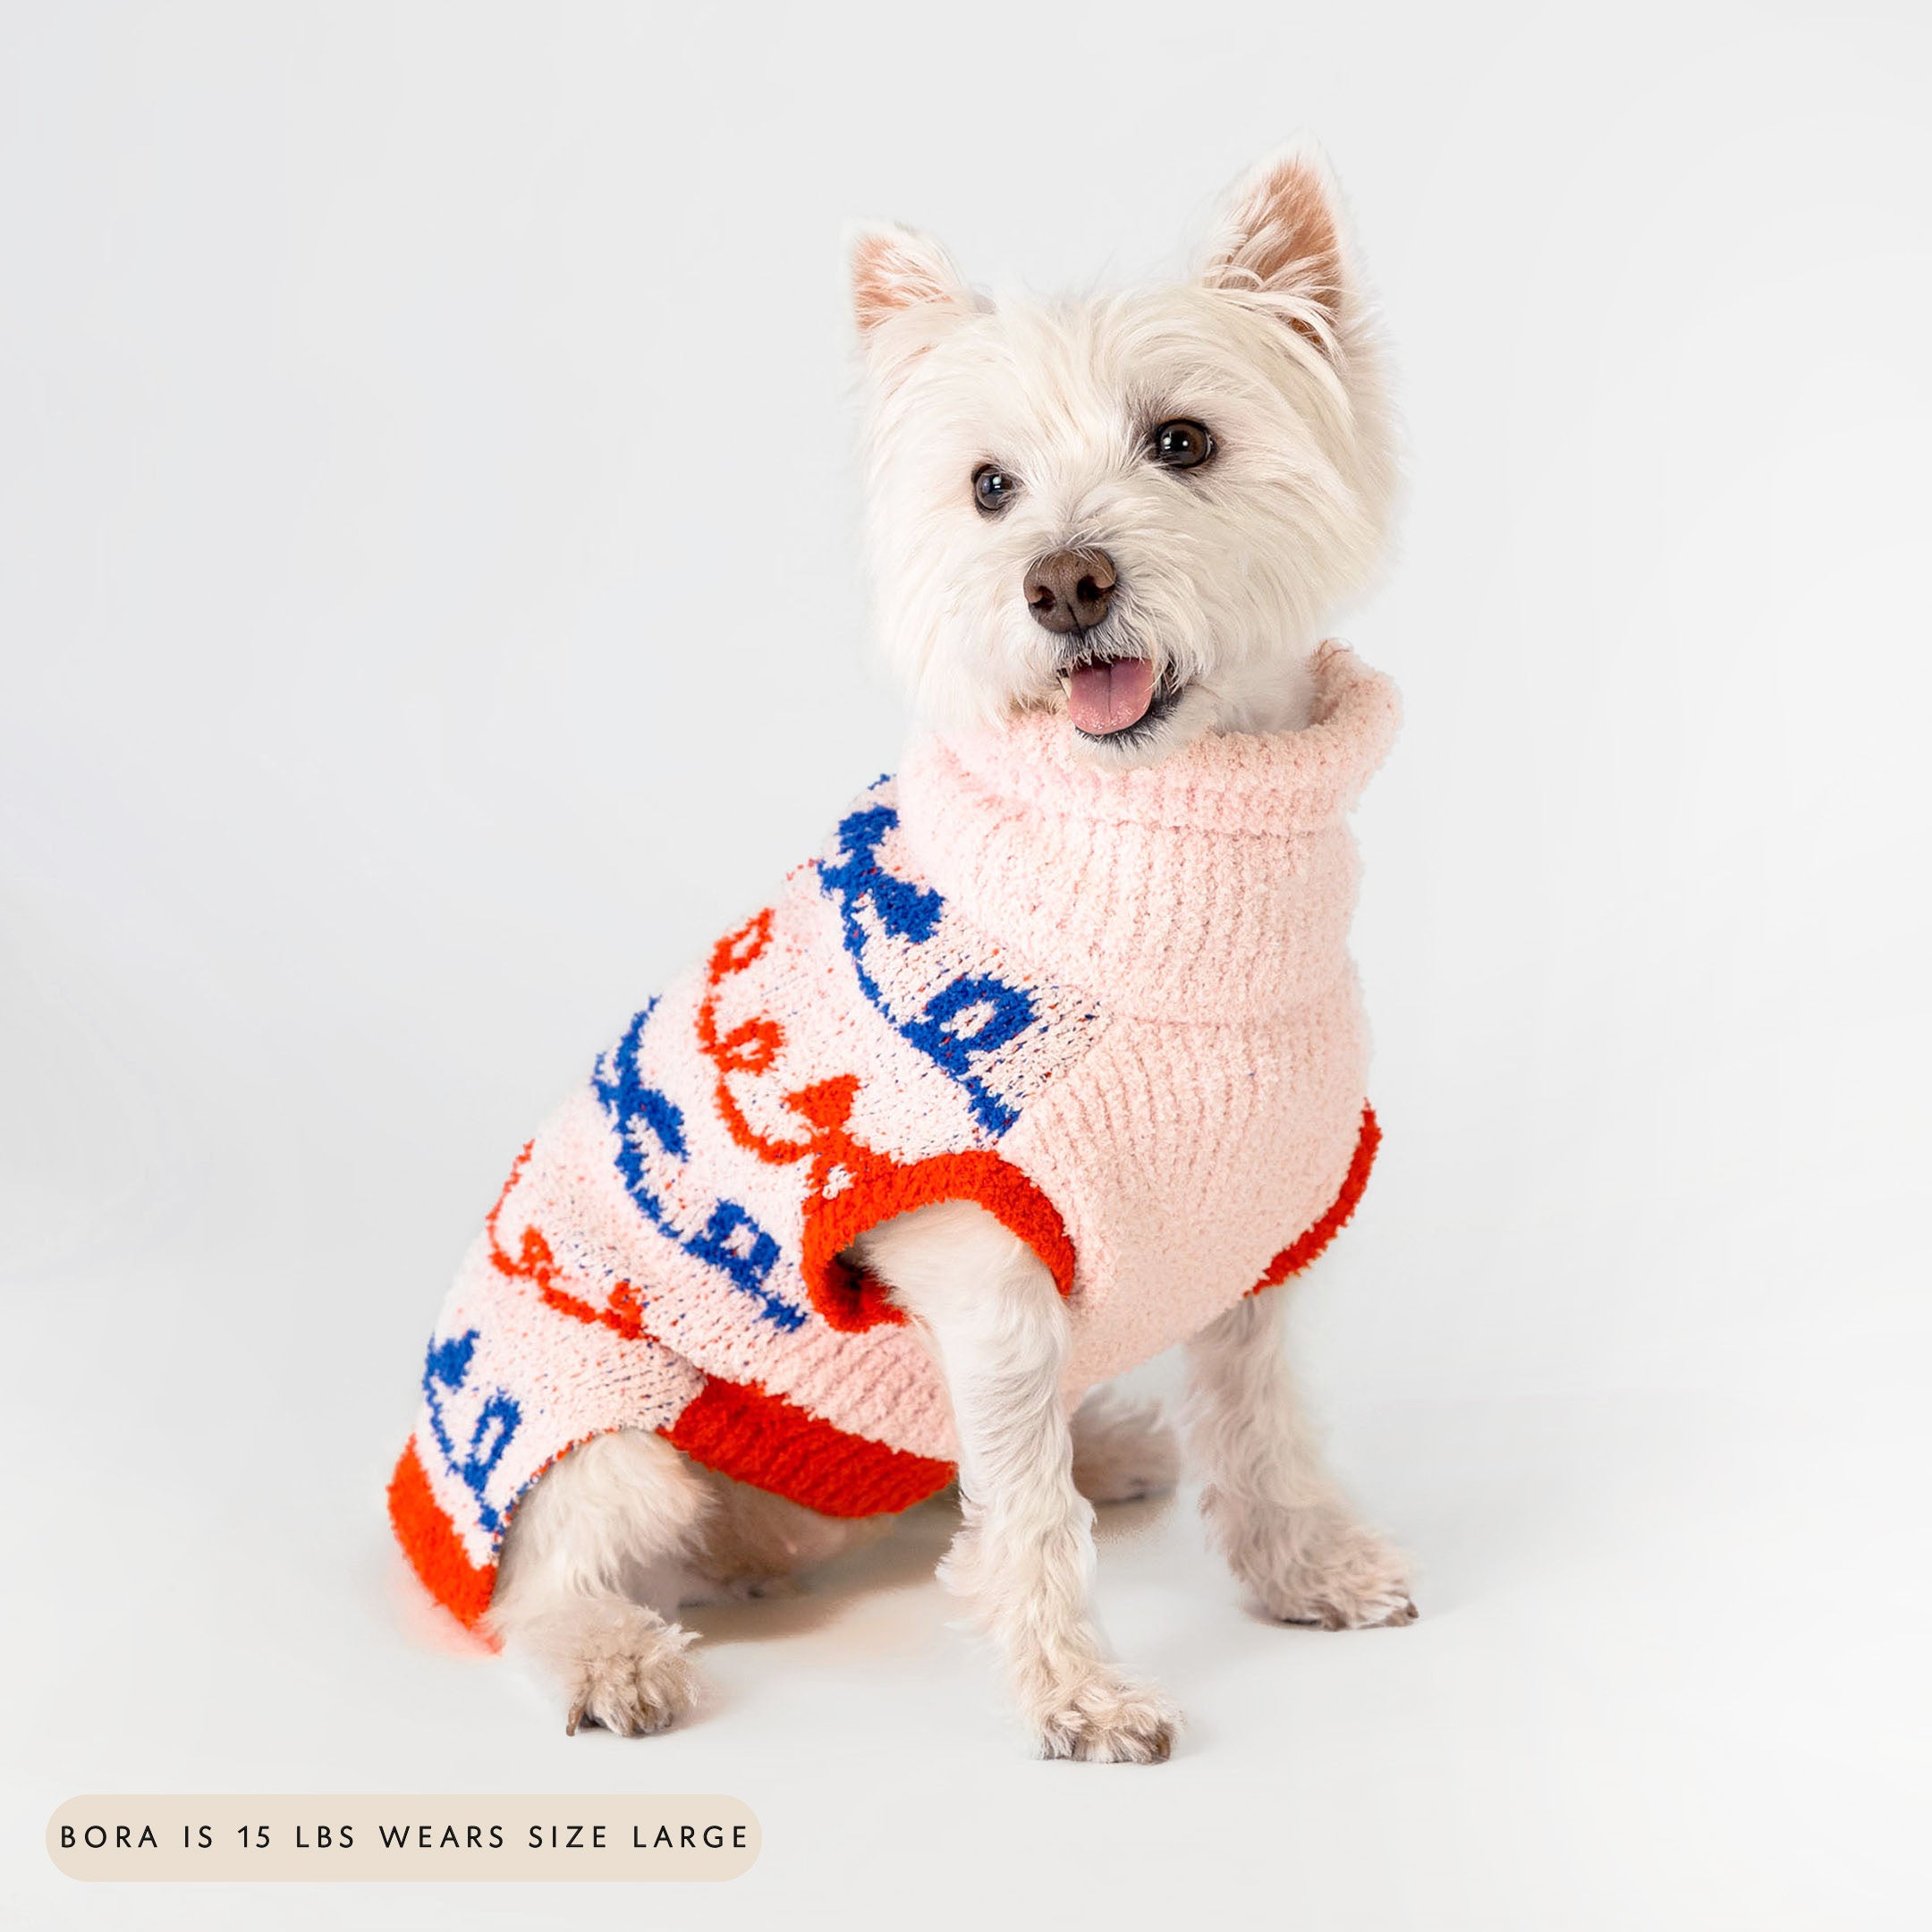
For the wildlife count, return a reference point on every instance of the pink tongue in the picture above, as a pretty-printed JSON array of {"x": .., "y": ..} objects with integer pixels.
[{"x": 1104, "y": 697}]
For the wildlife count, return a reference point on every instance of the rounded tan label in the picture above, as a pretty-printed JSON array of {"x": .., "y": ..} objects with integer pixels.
[{"x": 388, "y": 1839}]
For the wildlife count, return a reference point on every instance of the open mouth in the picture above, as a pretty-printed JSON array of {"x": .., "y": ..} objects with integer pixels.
[{"x": 1107, "y": 696}]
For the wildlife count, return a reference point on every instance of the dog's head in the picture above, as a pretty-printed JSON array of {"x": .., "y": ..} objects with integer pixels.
[{"x": 1140, "y": 509}]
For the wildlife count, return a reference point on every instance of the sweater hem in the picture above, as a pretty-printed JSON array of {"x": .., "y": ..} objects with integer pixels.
[
  {"x": 1314, "y": 1240},
  {"x": 746, "y": 1432}
]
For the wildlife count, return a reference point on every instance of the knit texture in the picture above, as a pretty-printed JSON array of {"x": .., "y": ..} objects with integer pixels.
[{"x": 1114, "y": 1009}]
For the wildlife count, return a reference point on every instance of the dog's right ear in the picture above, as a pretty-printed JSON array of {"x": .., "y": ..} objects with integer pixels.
[{"x": 895, "y": 269}]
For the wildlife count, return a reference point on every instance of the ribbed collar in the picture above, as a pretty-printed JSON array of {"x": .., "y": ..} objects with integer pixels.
[{"x": 1216, "y": 885}]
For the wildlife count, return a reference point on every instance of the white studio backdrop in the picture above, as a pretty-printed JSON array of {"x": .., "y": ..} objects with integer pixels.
[{"x": 430, "y": 612}]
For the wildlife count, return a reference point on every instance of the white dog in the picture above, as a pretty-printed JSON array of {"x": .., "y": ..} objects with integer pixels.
[{"x": 1121, "y": 525}]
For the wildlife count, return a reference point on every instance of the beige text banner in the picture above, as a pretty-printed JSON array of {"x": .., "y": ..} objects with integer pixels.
[{"x": 350, "y": 1837}]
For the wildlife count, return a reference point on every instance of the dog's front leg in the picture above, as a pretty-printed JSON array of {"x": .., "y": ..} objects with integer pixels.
[
  {"x": 1023, "y": 1558},
  {"x": 1271, "y": 1505}
]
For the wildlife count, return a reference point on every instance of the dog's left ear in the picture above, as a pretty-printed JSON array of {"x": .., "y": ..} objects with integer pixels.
[{"x": 1280, "y": 245}]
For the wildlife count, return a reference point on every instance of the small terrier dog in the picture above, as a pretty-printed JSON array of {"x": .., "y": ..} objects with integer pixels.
[{"x": 1127, "y": 518}]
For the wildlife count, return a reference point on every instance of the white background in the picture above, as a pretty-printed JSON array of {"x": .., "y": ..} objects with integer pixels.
[{"x": 429, "y": 613}]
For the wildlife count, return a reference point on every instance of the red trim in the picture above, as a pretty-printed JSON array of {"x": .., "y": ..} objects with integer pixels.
[
  {"x": 1306, "y": 1246},
  {"x": 854, "y": 1187},
  {"x": 851, "y": 1186},
  {"x": 747, "y": 1433},
  {"x": 432, "y": 1546}
]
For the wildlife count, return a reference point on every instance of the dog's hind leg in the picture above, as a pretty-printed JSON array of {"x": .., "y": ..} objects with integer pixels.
[
  {"x": 605, "y": 1534},
  {"x": 1123, "y": 1448},
  {"x": 755, "y": 1543},
  {"x": 1271, "y": 1505},
  {"x": 1024, "y": 1555}
]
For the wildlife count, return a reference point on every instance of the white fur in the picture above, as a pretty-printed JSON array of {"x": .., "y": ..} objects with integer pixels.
[
  {"x": 601, "y": 1540},
  {"x": 1272, "y": 1507},
  {"x": 1227, "y": 579},
  {"x": 1228, "y": 575},
  {"x": 1024, "y": 1552}
]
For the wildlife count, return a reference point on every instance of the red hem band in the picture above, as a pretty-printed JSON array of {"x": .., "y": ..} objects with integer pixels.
[
  {"x": 754, "y": 1436},
  {"x": 1310, "y": 1242},
  {"x": 432, "y": 1546}
]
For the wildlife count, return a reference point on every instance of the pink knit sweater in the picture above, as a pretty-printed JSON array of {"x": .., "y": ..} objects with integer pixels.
[{"x": 1115, "y": 1009}]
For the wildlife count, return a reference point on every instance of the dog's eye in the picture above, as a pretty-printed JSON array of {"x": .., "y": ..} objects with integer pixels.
[
  {"x": 1182, "y": 444},
  {"x": 993, "y": 489}
]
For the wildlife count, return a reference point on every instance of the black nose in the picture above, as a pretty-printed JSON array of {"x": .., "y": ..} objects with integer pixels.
[{"x": 1069, "y": 590}]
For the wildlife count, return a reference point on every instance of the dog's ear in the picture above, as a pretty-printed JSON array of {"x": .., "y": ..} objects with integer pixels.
[
  {"x": 1280, "y": 245},
  {"x": 895, "y": 270}
]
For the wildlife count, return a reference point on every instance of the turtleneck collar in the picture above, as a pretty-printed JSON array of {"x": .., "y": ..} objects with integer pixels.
[{"x": 1217, "y": 885}]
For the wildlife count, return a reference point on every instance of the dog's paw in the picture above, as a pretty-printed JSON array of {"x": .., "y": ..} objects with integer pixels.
[
  {"x": 1330, "y": 1607},
  {"x": 632, "y": 1678},
  {"x": 1103, "y": 1719},
  {"x": 1333, "y": 1574},
  {"x": 1123, "y": 1451}
]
